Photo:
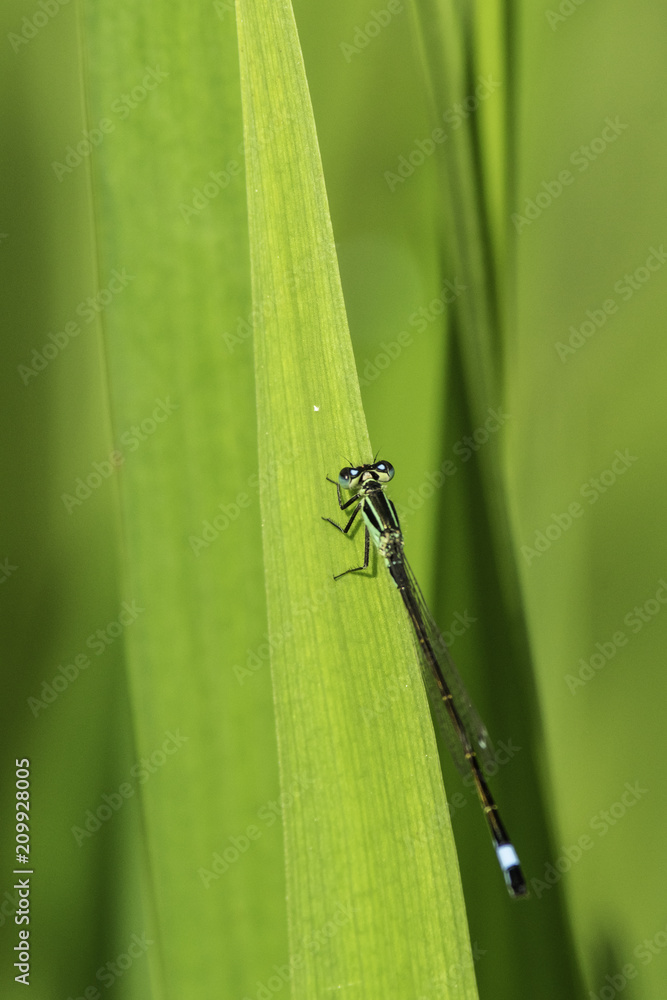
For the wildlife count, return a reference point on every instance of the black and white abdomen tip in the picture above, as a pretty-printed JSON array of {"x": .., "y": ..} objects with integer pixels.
[{"x": 511, "y": 868}]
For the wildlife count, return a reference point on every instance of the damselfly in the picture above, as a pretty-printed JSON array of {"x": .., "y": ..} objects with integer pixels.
[{"x": 464, "y": 731}]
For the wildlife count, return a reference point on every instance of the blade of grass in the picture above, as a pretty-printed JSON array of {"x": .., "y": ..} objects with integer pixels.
[
  {"x": 63, "y": 704},
  {"x": 374, "y": 903},
  {"x": 452, "y": 46},
  {"x": 171, "y": 214}
]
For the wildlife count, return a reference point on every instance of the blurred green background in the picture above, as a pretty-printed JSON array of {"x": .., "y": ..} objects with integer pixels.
[{"x": 565, "y": 157}]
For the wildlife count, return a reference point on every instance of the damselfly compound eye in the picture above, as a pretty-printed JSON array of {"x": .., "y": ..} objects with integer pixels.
[
  {"x": 346, "y": 476},
  {"x": 386, "y": 469}
]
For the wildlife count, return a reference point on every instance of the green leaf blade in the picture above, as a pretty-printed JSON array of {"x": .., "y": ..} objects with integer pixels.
[{"x": 374, "y": 902}]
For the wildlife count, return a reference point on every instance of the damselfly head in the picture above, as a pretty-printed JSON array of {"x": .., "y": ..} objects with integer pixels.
[{"x": 350, "y": 478}]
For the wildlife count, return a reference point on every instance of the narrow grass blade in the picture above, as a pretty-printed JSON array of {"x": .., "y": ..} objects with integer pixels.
[{"x": 373, "y": 889}]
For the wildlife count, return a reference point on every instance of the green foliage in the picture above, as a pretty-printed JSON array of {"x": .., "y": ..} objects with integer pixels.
[{"x": 231, "y": 756}]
